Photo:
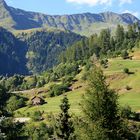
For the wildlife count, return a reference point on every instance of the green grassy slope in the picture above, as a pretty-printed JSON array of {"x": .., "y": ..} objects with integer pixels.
[
  {"x": 52, "y": 104},
  {"x": 118, "y": 81}
]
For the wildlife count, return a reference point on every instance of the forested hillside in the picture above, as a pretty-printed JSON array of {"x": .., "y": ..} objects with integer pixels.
[
  {"x": 12, "y": 54},
  {"x": 44, "y": 47},
  {"x": 104, "y": 45},
  {"x": 32, "y": 52}
]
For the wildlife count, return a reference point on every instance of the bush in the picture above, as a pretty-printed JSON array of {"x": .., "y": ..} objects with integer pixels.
[
  {"x": 15, "y": 103},
  {"x": 36, "y": 116},
  {"x": 85, "y": 76},
  {"x": 38, "y": 132},
  {"x": 126, "y": 70},
  {"x": 66, "y": 69},
  {"x": 88, "y": 66},
  {"x": 104, "y": 63},
  {"x": 126, "y": 112},
  {"x": 57, "y": 90},
  {"x": 67, "y": 80},
  {"x": 124, "y": 54},
  {"x": 12, "y": 83},
  {"x": 128, "y": 87}
]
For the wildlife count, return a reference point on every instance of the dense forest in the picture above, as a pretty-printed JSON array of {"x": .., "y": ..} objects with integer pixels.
[
  {"x": 104, "y": 45},
  {"x": 12, "y": 54},
  {"x": 44, "y": 48},
  {"x": 32, "y": 52}
]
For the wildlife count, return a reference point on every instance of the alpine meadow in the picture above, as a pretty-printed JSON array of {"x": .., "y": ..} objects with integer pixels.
[{"x": 70, "y": 74}]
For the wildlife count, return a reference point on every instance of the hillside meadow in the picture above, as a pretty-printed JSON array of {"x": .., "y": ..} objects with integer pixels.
[{"x": 126, "y": 85}]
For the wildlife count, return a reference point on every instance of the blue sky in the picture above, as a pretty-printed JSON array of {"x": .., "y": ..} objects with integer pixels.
[{"x": 77, "y": 6}]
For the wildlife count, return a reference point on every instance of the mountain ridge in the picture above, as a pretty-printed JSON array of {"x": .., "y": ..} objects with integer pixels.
[{"x": 84, "y": 24}]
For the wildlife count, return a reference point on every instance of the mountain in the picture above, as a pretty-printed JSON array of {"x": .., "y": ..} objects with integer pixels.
[
  {"x": 12, "y": 54},
  {"x": 32, "y": 52},
  {"x": 84, "y": 24},
  {"x": 45, "y": 46}
]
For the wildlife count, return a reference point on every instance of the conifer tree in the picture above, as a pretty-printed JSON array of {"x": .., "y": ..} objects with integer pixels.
[
  {"x": 104, "y": 40},
  {"x": 64, "y": 126},
  {"x": 2, "y": 135},
  {"x": 100, "y": 106}
]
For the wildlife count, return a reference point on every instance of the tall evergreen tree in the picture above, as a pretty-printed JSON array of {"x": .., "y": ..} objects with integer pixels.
[
  {"x": 131, "y": 34},
  {"x": 119, "y": 33},
  {"x": 2, "y": 135},
  {"x": 3, "y": 99},
  {"x": 119, "y": 36},
  {"x": 100, "y": 106},
  {"x": 64, "y": 126},
  {"x": 104, "y": 40}
]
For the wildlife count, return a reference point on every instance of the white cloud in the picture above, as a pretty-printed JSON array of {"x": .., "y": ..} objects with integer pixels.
[
  {"x": 100, "y": 2},
  {"x": 136, "y": 14},
  {"x": 91, "y": 2},
  {"x": 125, "y": 1}
]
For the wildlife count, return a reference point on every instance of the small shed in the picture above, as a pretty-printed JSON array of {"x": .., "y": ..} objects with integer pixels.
[{"x": 37, "y": 101}]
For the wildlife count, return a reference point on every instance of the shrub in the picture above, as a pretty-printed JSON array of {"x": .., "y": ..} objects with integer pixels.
[
  {"x": 36, "y": 116},
  {"x": 124, "y": 54},
  {"x": 126, "y": 112},
  {"x": 15, "y": 103},
  {"x": 66, "y": 69},
  {"x": 67, "y": 80},
  {"x": 38, "y": 132},
  {"x": 104, "y": 63},
  {"x": 128, "y": 87},
  {"x": 57, "y": 90},
  {"x": 126, "y": 70}
]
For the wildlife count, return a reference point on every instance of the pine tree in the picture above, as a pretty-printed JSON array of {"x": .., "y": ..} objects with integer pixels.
[
  {"x": 64, "y": 126},
  {"x": 119, "y": 34},
  {"x": 100, "y": 106},
  {"x": 2, "y": 135},
  {"x": 104, "y": 40}
]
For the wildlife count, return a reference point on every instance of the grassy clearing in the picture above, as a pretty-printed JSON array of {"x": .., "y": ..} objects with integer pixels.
[
  {"x": 53, "y": 104},
  {"x": 119, "y": 83},
  {"x": 132, "y": 99},
  {"x": 117, "y": 65}
]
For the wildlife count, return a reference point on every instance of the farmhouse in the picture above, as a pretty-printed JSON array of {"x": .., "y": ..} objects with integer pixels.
[{"x": 37, "y": 100}]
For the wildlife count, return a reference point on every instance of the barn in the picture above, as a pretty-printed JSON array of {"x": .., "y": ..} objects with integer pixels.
[{"x": 37, "y": 101}]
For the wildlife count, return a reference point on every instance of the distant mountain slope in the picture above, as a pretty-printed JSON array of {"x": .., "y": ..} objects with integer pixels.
[
  {"x": 44, "y": 47},
  {"x": 12, "y": 54},
  {"x": 85, "y": 24},
  {"x": 32, "y": 52}
]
